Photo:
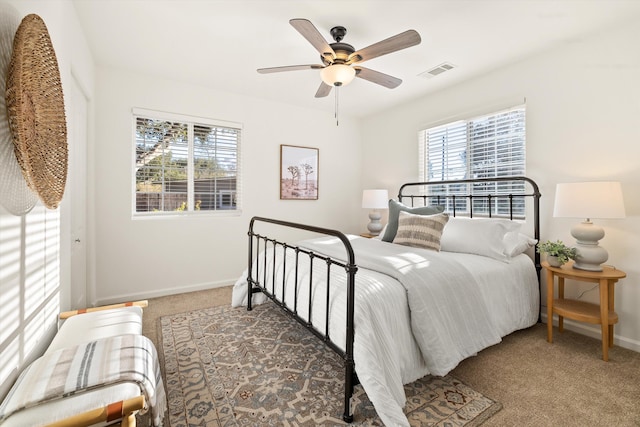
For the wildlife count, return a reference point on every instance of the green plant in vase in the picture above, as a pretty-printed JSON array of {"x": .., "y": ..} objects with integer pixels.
[{"x": 557, "y": 252}]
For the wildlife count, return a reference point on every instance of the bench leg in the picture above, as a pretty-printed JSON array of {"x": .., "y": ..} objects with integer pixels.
[{"x": 125, "y": 409}]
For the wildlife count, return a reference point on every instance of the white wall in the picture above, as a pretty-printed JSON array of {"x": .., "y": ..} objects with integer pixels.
[
  {"x": 583, "y": 110},
  {"x": 34, "y": 249},
  {"x": 151, "y": 257},
  {"x": 583, "y": 104}
]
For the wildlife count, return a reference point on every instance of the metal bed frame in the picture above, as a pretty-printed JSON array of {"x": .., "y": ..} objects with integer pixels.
[{"x": 259, "y": 281}]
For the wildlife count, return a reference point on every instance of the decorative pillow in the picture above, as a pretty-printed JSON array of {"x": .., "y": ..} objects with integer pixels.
[
  {"x": 396, "y": 207},
  {"x": 477, "y": 236},
  {"x": 420, "y": 231},
  {"x": 516, "y": 243}
]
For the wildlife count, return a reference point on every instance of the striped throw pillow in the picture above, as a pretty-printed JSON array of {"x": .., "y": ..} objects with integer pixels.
[{"x": 420, "y": 231}]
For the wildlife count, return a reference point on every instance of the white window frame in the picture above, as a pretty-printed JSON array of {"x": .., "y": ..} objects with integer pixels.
[
  {"x": 456, "y": 149},
  {"x": 190, "y": 121}
]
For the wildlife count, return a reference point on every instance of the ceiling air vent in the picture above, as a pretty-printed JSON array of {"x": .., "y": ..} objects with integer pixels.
[{"x": 445, "y": 66}]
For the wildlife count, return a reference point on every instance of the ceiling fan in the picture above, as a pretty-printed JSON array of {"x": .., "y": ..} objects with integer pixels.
[{"x": 340, "y": 61}]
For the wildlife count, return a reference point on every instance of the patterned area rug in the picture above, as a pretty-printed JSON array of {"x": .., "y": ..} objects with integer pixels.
[{"x": 229, "y": 367}]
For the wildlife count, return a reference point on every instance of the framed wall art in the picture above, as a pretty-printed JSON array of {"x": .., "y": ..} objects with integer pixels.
[{"x": 298, "y": 173}]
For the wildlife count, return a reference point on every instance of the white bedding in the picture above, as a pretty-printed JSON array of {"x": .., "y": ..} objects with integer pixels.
[{"x": 485, "y": 299}]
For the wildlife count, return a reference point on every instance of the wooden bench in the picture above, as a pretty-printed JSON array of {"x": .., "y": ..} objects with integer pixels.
[{"x": 99, "y": 406}]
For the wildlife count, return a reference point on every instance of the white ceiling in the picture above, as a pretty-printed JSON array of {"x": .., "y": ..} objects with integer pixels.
[{"x": 221, "y": 43}]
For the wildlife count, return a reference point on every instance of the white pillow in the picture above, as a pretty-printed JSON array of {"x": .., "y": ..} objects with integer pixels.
[
  {"x": 516, "y": 243},
  {"x": 477, "y": 236}
]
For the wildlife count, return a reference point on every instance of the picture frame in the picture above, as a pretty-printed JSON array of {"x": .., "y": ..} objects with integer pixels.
[{"x": 298, "y": 172}]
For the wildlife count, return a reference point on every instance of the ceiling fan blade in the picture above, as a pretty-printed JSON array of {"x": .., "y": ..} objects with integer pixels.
[
  {"x": 323, "y": 90},
  {"x": 311, "y": 33},
  {"x": 377, "y": 77},
  {"x": 290, "y": 68},
  {"x": 392, "y": 44}
]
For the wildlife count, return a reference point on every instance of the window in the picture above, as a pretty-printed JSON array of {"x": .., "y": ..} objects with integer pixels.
[
  {"x": 488, "y": 146},
  {"x": 185, "y": 164}
]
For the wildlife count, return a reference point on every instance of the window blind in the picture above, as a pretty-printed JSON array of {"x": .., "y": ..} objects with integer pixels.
[
  {"x": 185, "y": 165},
  {"x": 487, "y": 146}
]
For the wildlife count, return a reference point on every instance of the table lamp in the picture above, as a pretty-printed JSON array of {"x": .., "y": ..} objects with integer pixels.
[
  {"x": 375, "y": 200},
  {"x": 589, "y": 200}
]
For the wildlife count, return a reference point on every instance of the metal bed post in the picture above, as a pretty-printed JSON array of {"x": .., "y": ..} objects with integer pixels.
[
  {"x": 349, "y": 363},
  {"x": 250, "y": 265}
]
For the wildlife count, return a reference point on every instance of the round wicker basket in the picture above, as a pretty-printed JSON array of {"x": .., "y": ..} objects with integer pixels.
[
  {"x": 35, "y": 106},
  {"x": 15, "y": 195}
]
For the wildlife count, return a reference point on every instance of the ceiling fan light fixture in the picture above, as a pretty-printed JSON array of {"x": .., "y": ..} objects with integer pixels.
[{"x": 338, "y": 75}]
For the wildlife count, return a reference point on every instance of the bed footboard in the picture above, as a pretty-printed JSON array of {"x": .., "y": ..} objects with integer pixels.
[{"x": 260, "y": 281}]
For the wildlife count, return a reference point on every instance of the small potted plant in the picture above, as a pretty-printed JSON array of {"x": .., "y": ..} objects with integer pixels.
[{"x": 557, "y": 252}]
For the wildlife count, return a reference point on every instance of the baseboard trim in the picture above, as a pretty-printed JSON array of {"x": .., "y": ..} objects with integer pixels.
[
  {"x": 164, "y": 292},
  {"x": 594, "y": 332}
]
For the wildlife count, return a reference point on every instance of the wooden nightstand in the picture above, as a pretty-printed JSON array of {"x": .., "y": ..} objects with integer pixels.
[
  {"x": 367, "y": 235},
  {"x": 603, "y": 314}
]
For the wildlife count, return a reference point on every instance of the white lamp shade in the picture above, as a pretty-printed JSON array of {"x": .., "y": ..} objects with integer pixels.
[
  {"x": 589, "y": 200},
  {"x": 338, "y": 75},
  {"x": 375, "y": 199}
]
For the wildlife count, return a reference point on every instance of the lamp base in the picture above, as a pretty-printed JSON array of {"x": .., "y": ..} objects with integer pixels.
[
  {"x": 374, "y": 226},
  {"x": 589, "y": 255}
]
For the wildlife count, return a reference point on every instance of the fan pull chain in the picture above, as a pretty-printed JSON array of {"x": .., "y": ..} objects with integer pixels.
[{"x": 336, "y": 106}]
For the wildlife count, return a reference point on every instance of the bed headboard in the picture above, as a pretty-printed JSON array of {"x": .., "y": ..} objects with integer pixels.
[{"x": 504, "y": 197}]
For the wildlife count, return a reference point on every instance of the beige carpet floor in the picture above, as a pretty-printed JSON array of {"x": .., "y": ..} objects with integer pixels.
[{"x": 539, "y": 384}]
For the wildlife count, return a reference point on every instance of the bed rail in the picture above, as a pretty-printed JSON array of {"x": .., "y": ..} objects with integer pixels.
[{"x": 259, "y": 282}]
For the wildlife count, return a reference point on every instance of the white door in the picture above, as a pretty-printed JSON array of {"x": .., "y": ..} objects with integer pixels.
[{"x": 78, "y": 185}]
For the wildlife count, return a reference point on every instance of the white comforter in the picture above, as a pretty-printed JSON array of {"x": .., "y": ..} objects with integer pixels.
[{"x": 417, "y": 311}]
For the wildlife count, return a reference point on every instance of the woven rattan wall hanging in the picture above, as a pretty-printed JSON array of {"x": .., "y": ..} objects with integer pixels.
[
  {"x": 15, "y": 195},
  {"x": 35, "y": 106}
]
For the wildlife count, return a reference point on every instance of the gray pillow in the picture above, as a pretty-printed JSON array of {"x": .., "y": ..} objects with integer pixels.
[{"x": 394, "y": 211}]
